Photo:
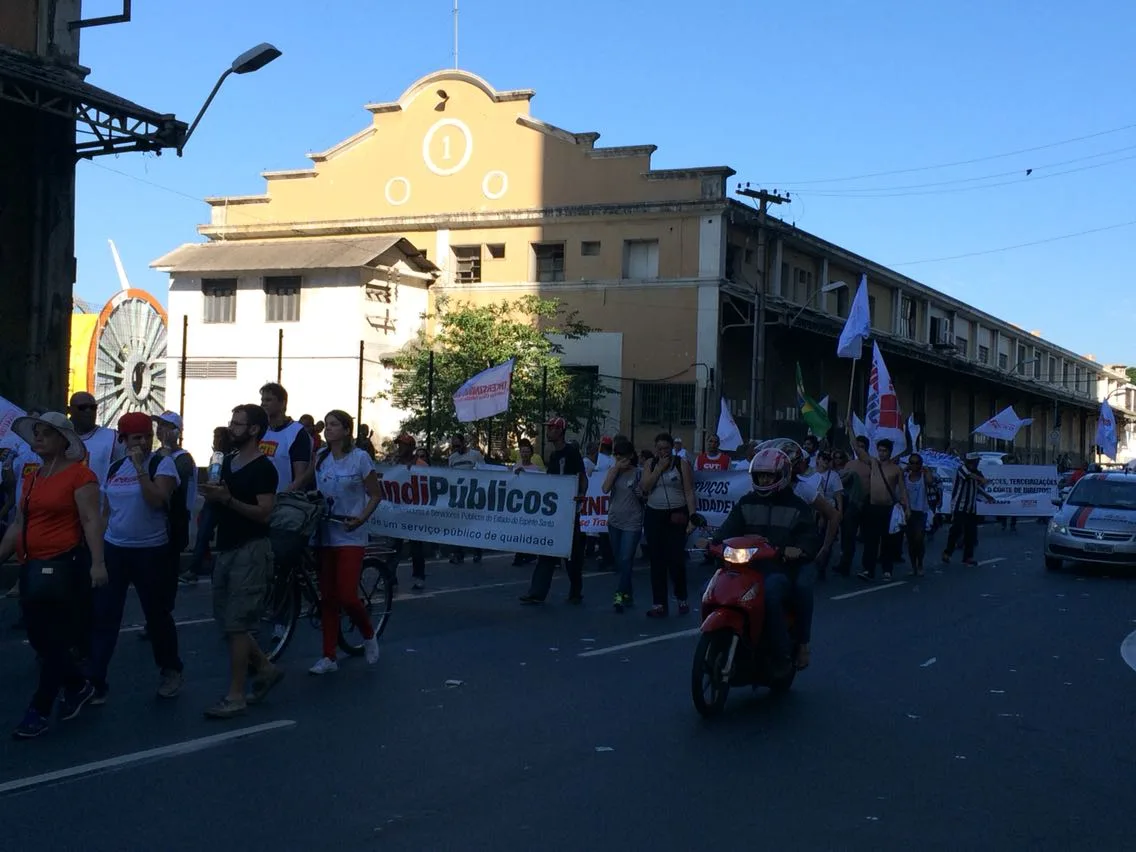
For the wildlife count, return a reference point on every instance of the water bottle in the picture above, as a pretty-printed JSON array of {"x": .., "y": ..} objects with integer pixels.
[{"x": 215, "y": 467}]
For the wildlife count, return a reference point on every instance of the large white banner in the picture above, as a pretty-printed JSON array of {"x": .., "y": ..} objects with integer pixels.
[
  {"x": 1020, "y": 490},
  {"x": 486, "y": 509},
  {"x": 715, "y": 493}
]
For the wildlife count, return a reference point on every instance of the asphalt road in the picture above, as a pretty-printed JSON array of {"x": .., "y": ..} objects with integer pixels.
[{"x": 978, "y": 708}]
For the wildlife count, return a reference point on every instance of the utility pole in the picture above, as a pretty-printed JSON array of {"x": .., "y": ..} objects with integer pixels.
[
  {"x": 456, "y": 34},
  {"x": 757, "y": 367}
]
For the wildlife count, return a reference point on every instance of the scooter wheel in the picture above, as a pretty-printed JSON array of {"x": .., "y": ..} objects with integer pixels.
[{"x": 708, "y": 687}]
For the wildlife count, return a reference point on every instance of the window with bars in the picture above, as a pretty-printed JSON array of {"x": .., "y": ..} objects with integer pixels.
[
  {"x": 549, "y": 259},
  {"x": 207, "y": 370},
  {"x": 907, "y": 317},
  {"x": 467, "y": 264},
  {"x": 983, "y": 354},
  {"x": 220, "y": 297},
  {"x": 282, "y": 298},
  {"x": 666, "y": 404}
]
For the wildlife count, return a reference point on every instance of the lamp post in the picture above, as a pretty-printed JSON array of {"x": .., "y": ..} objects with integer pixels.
[{"x": 246, "y": 63}]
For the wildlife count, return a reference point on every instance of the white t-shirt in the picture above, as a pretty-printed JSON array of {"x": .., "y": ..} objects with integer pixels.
[
  {"x": 133, "y": 522},
  {"x": 589, "y": 466},
  {"x": 103, "y": 449},
  {"x": 341, "y": 482},
  {"x": 467, "y": 460},
  {"x": 807, "y": 488},
  {"x": 828, "y": 485},
  {"x": 604, "y": 462},
  {"x": 277, "y": 445}
]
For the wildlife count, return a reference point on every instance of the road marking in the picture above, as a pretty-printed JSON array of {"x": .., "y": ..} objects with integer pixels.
[
  {"x": 868, "y": 590},
  {"x": 694, "y": 631},
  {"x": 138, "y": 628},
  {"x": 147, "y": 756},
  {"x": 1128, "y": 650},
  {"x": 992, "y": 561}
]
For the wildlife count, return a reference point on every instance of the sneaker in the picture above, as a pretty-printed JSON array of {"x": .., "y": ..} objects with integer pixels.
[
  {"x": 419, "y": 586},
  {"x": 226, "y": 708},
  {"x": 324, "y": 666},
  {"x": 170, "y": 684},
  {"x": 263, "y": 683},
  {"x": 31, "y": 727},
  {"x": 100, "y": 697},
  {"x": 371, "y": 650},
  {"x": 73, "y": 701},
  {"x": 683, "y": 608},
  {"x": 618, "y": 601},
  {"x": 188, "y": 578},
  {"x": 530, "y": 600}
]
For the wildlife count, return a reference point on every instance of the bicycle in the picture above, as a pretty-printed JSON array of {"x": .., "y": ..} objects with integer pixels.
[{"x": 295, "y": 587}]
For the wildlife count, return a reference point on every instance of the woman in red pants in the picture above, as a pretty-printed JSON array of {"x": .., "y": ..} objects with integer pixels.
[{"x": 346, "y": 477}]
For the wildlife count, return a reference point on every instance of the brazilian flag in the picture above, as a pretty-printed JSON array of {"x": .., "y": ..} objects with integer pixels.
[{"x": 813, "y": 415}]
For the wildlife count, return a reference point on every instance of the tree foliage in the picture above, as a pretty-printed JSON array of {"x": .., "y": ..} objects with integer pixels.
[
  {"x": 468, "y": 339},
  {"x": 1131, "y": 372}
]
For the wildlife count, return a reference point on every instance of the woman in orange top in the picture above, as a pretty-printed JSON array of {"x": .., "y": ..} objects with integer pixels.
[{"x": 58, "y": 511}]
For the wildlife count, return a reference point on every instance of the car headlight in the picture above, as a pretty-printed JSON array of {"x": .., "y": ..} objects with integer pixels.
[
  {"x": 1059, "y": 528},
  {"x": 739, "y": 555}
]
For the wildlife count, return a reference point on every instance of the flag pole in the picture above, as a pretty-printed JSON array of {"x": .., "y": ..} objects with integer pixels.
[{"x": 851, "y": 389}]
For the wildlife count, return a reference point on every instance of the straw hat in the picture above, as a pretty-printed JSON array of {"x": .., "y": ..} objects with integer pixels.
[{"x": 25, "y": 428}]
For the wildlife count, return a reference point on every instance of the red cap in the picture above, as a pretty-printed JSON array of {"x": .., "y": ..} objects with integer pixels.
[
  {"x": 135, "y": 423},
  {"x": 605, "y": 441},
  {"x": 556, "y": 423}
]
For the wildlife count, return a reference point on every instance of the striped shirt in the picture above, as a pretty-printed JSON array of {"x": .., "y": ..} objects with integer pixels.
[{"x": 964, "y": 497}]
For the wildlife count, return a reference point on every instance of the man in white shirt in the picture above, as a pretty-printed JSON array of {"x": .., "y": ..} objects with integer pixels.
[
  {"x": 463, "y": 458},
  {"x": 286, "y": 444},
  {"x": 103, "y": 446},
  {"x": 604, "y": 459}
]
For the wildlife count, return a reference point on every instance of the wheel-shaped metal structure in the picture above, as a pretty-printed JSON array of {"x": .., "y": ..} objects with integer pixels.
[{"x": 126, "y": 366}]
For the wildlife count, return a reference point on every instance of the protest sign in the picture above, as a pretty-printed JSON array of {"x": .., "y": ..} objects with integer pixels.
[
  {"x": 715, "y": 493},
  {"x": 487, "y": 509}
]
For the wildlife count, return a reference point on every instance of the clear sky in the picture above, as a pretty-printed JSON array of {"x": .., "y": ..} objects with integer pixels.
[{"x": 794, "y": 96}]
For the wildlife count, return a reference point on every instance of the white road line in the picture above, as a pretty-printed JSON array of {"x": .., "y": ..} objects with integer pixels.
[
  {"x": 123, "y": 760},
  {"x": 1128, "y": 650},
  {"x": 663, "y": 638},
  {"x": 868, "y": 591},
  {"x": 138, "y": 628},
  {"x": 991, "y": 561},
  {"x": 416, "y": 596}
]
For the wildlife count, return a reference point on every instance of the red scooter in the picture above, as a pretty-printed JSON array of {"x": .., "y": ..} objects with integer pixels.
[{"x": 733, "y": 650}]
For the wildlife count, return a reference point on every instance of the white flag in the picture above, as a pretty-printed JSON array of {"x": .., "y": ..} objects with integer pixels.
[
  {"x": 729, "y": 436},
  {"x": 486, "y": 394},
  {"x": 913, "y": 431},
  {"x": 859, "y": 429},
  {"x": 1106, "y": 431},
  {"x": 858, "y": 326},
  {"x": 882, "y": 414},
  {"x": 1003, "y": 426}
]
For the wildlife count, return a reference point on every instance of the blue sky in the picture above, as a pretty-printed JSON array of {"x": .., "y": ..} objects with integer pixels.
[{"x": 791, "y": 95}]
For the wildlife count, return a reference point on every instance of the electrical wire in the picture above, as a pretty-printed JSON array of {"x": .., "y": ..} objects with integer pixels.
[
  {"x": 969, "y": 162},
  {"x": 1058, "y": 238}
]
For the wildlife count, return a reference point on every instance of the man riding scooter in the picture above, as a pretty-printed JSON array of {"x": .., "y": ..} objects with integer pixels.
[{"x": 773, "y": 511}]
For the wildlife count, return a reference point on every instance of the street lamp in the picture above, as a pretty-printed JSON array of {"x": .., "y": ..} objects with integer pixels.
[
  {"x": 827, "y": 288},
  {"x": 246, "y": 63}
]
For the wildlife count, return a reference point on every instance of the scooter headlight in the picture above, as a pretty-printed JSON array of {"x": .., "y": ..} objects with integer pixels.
[{"x": 739, "y": 555}]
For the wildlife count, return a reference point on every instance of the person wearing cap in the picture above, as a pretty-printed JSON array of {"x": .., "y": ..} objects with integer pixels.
[
  {"x": 102, "y": 444},
  {"x": 564, "y": 461},
  {"x": 58, "y": 512},
  {"x": 137, "y": 497},
  {"x": 463, "y": 457},
  {"x": 168, "y": 425},
  {"x": 406, "y": 453},
  {"x": 680, "y": 449}
]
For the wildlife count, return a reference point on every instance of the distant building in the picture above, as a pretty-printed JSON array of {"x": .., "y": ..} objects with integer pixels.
[{"x": 672, "y": 271}]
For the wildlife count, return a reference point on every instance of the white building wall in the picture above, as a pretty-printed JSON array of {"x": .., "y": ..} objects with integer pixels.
[
  {"x": 321, "y": 352},
  {"x": 603, "y": 350}
]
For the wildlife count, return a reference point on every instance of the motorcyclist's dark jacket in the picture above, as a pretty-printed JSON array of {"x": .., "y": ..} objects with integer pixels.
[{"x": 783, "y": 518}]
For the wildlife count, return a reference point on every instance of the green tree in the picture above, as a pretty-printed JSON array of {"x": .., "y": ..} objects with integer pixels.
[
  {"x": 1131, "y": 372},
  {"x": 467, "y": 339}
]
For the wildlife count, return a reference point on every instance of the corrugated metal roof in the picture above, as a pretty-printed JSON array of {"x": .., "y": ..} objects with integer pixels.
[
  {"x": 307, "y": 253},
  {"x": 31, "y": 70}
]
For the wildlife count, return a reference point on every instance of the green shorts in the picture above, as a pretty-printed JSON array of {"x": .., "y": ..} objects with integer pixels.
[{"x": 240, "y": 585}]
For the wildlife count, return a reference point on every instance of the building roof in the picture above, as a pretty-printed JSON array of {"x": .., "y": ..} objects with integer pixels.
[
  {"x": 112, "y": 124},
  {"x": 292, "y": 254}
]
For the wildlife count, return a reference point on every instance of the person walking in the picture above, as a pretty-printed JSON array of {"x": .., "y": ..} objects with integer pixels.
[
  {"x": 624, "y": 518},
  {"x": 922, "y": 489},
  {"x": 242, "y": 503},
  {"x": 668, "y": 483},
  {"x": 57, "y": 514},
  {"x": 967, "y": 489}
]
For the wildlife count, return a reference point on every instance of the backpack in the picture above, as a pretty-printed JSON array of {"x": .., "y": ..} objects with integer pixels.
[
  {"x": 177, "y": 512},
  {"x": 294, "y": 520}
]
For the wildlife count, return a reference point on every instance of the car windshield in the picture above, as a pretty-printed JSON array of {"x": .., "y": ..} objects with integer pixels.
[{"x": 1104, "y": 494}]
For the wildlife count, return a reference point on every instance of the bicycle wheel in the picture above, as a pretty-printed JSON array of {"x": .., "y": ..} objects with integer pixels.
[
  {"x": 377, "y": 596},
  {"x": 281, "y": 615}
]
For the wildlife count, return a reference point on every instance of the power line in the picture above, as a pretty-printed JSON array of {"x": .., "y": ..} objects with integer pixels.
[
  {"x": 821, "y": 193},
  {"x": 992, "y": 176},
  {"x": 959, "y": 162},
  {"x": 1118, "y": 225}
]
